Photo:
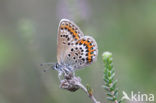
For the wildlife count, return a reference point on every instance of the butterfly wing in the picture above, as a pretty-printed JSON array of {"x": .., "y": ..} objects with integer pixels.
[
  {"x": 68, "y": 34},
  {"x": 83, "y": 53}
]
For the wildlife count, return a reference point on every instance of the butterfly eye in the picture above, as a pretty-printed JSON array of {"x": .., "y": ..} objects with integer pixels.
[
  {"x": 56, "y": 65},
  {"x": 69, "y": 55}
]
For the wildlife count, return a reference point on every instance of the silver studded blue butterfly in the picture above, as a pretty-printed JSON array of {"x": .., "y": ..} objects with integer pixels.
[{"x": 74, "y": 50}]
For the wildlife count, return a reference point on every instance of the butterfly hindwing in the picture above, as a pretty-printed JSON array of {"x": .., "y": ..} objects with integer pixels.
[{"x": 82, "y": 53}]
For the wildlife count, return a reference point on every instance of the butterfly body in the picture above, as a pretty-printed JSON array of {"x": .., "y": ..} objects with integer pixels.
[{"x": 62, "y": 68}]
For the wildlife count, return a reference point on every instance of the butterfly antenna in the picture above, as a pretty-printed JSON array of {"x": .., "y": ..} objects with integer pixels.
[{"x": 47, "y": 66}]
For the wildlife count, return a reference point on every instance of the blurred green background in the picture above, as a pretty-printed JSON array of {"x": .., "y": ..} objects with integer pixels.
[{"x": 28, "y": 31}]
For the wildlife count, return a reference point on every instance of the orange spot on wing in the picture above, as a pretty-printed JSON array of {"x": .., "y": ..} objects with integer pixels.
[
  {"x": 87, "y": 43},
  {"x": 73, "y": 31}
]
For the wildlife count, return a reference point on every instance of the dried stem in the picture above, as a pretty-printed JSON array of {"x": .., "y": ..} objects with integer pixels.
[
  {"x": 86, "y": 91},
  {"x": 72, "y": 83}
]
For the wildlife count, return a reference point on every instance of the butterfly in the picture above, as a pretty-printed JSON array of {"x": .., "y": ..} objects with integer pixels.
[{"x": 74, "y": 49}]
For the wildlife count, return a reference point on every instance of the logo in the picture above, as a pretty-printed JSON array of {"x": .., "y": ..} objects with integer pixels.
[{"x": 138, "y": 97}]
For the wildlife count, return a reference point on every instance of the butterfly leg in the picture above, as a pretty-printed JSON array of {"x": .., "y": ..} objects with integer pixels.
[{"x": 59, "y": 75}]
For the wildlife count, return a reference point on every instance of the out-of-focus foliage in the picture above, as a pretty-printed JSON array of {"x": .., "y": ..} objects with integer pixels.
[{"x": 28, "y": 31}]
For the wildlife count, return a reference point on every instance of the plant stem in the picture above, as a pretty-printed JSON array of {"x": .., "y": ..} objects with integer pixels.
[
  {"x": 109, "y": 78},
  {"x": 86, "y": 91}
]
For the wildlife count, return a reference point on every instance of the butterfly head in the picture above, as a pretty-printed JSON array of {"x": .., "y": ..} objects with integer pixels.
[{"x": 56, "y": 67}]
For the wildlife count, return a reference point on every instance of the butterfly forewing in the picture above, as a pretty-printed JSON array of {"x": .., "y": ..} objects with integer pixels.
[{"x": 68, "y": 34}]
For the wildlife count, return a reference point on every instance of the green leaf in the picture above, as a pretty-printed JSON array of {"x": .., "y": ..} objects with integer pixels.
[
  {"x": 106, "y": 80},
  {"x": 110, "y": 98},
  {"x": 112, "y": 76},
  {"x": 114, "y": 84},
  {"x": 106, "y": 87},
  {"x": 89, "y": 89},
  {"x": 109, "y": 74},
  {"x": 109, "y": 94},
  {"x": 116, "y": 93}
]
